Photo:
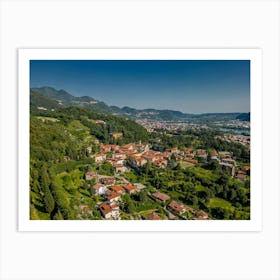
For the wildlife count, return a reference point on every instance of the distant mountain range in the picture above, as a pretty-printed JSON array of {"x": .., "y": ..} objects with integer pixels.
[{"x": 50, "y": 98}]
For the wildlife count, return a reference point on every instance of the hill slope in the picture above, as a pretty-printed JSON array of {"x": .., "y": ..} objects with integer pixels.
[{"x": 64, "y": 98}]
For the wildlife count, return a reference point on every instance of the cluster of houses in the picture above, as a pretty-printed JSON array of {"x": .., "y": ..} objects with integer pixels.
[
  {"x": 239, "y": 139},
  {"x": 111, "y": 193},
  {"x": 139, "y": 154},
  {"x": 106, "y": 187},
  {"x": 177, "y": 208}
]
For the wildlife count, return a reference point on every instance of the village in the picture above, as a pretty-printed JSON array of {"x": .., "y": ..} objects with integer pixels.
[{"x": 109, "y": 190}]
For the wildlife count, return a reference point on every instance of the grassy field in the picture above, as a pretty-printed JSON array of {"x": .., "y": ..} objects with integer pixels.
[
  {"x": 203, "y": 173},
  {"x": 219, "y": 202},
  {"x": 185, "y": 164}
]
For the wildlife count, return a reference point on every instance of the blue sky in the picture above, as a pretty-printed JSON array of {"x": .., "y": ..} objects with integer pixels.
[{"x": 190, "y": 86}]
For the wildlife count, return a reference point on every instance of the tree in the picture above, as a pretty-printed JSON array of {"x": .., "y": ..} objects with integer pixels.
[
  {"x": 220, "y": 213},
  {"x": 128, "y": 204},
  {"x": 195, "y": 201},
  {"x": 44, "y": 179},
  {"x": 58, "y": 216},
  {"x": 49, "y": 201},
  {"x": 143, "y": 197}
]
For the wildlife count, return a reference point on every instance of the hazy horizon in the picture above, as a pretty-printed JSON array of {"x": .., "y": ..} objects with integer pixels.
[{"x": 189, "y": 86}]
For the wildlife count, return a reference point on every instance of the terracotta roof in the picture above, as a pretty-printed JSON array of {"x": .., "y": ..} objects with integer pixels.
[
  {"x": 201, "y": 213},
  {"x": 246, "y": 168},
  {"x": 177, "y": 207},
  {"x": 161, "y": 196},
  {"x": 117, "y": 188},
  {"x": 113, "y": 195},
  {"x": 105, "y": 208},
  {"x": 153, "y": 216},
  {"x": 129, "y": 187}
]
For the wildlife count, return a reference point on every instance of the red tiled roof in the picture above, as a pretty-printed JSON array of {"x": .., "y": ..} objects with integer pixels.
[
  {"x": 246, "y": 168},
  {"x": 105, "y": 208},
  {"x": 113, "y": 195},
  {"x": 201, "y": 213},
  {"x": 177, "y": 207},
  {"x": 129, "y": 187},
  {"x": 117, "y": 188},
  {"x": 161, "y": 196},
  {"x": 153, "y": 216}
]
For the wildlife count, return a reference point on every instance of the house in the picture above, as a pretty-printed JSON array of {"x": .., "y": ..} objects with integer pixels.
[
  {"x": 152, "y": 216},
  {"x": 229, "y": 160},
  {"x": 201, "y": 153},
  {"x": 177, "y": 208},
  {"x": 115, "y": 147},
  {"x": 246, "y": 168},
  {"x": 107, "y": 180},
  {"x": 160, "y": 196},
  {"x": 109, "y": 210},
  {"x": 135, "y": 160},
  {"x": 139, "y": 186},
  {"x": 190, "y": 209},
  {"x": 99, "y": 189},
  {"x": 118, "y": 189},
  {"x": 91, "y": 175},
  {"x": 241, "y": 175},
  {"x": 128, "y": 147},
  {"x": 118, "y": 161},
  {"x": 99, "y": 158},
  {"x": 114, "y": 197},
  {"x": 119, "y": 156},
  {"x": 225, "y": 154},
  {"x": 201, "y": 215},
  {"x": 214, "y": 155},
  {"x": 129, "y": 188},
  {"x": 120, "y": 167},
  {"x": 150, "y": 155},
  {"x": 105, "y": 148}
]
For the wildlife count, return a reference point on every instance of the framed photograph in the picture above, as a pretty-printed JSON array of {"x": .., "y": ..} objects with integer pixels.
[
  {"x": 92, "y": 90},
  {"x": 140, "y": 139}
]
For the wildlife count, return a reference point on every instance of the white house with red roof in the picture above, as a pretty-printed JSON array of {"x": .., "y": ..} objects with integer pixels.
[
  {"x": 99, "y": 189},
  {"x": 109, "y": 210}
]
